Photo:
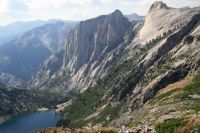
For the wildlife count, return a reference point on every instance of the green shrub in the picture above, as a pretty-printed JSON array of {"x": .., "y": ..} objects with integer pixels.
[
  {"x": 84, "y": 105},
  {"x": 63, "y": 122},
  {"x": 197, "y": 78},
  {"x": 169, "y": 126},
  {"x": 112, "y": 112},
  {"x": 162, "y": 96}
]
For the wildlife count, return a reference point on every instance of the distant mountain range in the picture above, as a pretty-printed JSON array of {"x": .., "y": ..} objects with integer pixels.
[
  {"x": 23, "y": 56},
  {"x": 135, "y": 17},
  {"x": 11, "y": 31}
]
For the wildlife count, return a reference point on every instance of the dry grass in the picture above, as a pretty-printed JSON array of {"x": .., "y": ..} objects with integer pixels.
[
  {"x": 192, "y": 123},
  {"x": 97, "y": 130},
  {"x": 180, "y": 84},
  {"x": 54, "y": 130},
  {"x": 65, "y": 130}
]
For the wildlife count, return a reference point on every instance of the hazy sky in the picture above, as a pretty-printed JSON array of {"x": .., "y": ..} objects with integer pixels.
[{"x": 25, "y": 10}]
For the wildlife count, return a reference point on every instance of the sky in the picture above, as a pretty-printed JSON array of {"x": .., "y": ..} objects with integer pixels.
[{"x": 28, "y": 10}]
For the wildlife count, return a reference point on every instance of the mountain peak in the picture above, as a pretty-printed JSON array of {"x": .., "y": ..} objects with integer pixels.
[
  {"x": 117, "y": 12},
  {"x": 115, "y": 16},
  {"x": 158, "y": 5}
]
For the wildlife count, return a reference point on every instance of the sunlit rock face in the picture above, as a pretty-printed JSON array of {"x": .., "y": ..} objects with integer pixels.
[{"x": 89, "y": 46}]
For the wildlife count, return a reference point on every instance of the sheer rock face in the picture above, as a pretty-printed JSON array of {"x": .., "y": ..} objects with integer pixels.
[
  {"x": 89, "y": 46},
  {"x": 91, "y": 41},
  {"x": 94, "y": 38}
]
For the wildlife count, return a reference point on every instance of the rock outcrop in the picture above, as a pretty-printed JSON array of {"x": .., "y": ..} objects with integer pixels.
[{"x": 161, "y": 19}]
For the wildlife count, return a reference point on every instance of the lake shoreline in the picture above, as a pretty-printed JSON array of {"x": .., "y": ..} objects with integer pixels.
[
  {"x": 4, "y": 118},
  {"x": 61, "y": 107},
  {"x": 33, "y": 121},
  {"x": 43, "y": 109}
]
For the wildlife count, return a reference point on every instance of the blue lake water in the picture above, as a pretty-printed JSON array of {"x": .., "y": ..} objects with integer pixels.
[{"x": 30, "y": 122}]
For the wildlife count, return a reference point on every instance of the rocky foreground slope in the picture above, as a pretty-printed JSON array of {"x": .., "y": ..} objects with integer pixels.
[{"x": 120, "y": 67}]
